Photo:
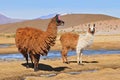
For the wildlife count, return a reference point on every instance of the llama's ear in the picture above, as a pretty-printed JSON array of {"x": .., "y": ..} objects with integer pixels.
[
  {"x": 57, "y": 16},
  {"x": 88, "y": 25}
]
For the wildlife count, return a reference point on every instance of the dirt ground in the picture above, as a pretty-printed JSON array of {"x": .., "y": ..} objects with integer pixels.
[{"x": 95, "y": 67}]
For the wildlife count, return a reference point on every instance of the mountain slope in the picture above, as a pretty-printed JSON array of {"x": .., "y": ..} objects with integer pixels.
[
  {"x": 5, "y": 20},
  {"x": 106, "y": 27},
  {"x": 70, "y": 21},
  {"x": 76, "y": 19},
  {"x": 47, "y": 16}
]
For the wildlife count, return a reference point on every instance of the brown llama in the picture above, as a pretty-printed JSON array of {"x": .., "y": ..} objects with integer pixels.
[
  {"x": 72, "y": 41},
  {"x": 35, "y": 42}
]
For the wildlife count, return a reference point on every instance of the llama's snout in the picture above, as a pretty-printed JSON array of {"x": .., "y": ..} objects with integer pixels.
[{"x": 60, "y": 23}]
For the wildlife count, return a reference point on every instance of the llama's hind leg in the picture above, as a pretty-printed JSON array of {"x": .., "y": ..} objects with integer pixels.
[
  {"x": 64, "y": 55},
  {"x": 32, "y": 59}
]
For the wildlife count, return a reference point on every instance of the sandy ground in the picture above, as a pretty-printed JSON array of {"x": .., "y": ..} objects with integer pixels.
[
  {"x": 9, "y": 49},
  {"x": 96, "y": 67},
  {"x": 5, "y": 40}
]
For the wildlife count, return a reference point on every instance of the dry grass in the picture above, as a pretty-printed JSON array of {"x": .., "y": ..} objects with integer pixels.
[
  {"x": 9, "y": 50},
  {"x": 100, "y": 42},
  {"x": 108, "y": 67},
  {"x": 6, "y": 40},
  {"x": 106, "y": 45}
]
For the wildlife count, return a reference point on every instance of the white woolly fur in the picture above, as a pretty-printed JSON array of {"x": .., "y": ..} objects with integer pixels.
[{"x": 83, "y": 42}]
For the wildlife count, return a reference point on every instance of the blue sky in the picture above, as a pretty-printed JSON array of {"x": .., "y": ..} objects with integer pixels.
[{"x": 29, "y": 9}]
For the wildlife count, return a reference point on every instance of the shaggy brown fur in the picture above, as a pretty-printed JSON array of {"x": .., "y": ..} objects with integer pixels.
[
  {"x": 69, "y": 42},
  {"x": 37, "y": 42}
]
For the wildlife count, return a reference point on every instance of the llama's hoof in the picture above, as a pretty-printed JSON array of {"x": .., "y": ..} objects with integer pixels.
[
  {"x": 36, "y": 69},
  {"x": 80, "y": 64},
  {"x": 66, "y": 62},
  {"x": 27, "y": 66},
  {"x": 32, "y": 65}
]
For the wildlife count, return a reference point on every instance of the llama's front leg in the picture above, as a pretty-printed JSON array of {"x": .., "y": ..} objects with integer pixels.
[
  {"x": 79, "y": 56},
  {"x": 78, "y": 51},
  {"x": 26, "y": 57},
  {"x": 64, "y": 55}
]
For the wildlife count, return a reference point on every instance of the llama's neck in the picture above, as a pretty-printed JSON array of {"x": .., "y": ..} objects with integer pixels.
[
  {"x": 51, "y": 33},
  {"x": 89, "y": 34},
  {"x": 52, "y": 28},
  {"x": 85, "y": 41}
]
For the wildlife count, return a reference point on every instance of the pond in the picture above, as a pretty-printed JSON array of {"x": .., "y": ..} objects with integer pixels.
[
  {"x": 72, "y": 73},
  {"x": 5, "y": 45},
  {"x": 56, "y": 54}
]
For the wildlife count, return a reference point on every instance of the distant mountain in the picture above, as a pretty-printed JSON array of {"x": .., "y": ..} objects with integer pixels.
[
  {"x": 47, "y": 16},
  {"x": 5, "y": 20},
  {"x": 71, "y": 20},
  {"x": 50, "y": 16}
]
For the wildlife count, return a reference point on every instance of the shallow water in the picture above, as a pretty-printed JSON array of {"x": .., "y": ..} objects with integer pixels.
[
  {"x": 72, "y": 73},
  {"x": 4, "y": 45},
  {"x": 56, "y": 54},
  {"x": 48, "y": 75}
]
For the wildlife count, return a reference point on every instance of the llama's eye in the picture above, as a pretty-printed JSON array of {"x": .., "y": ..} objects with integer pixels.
[{"x": 58, "y": 21}]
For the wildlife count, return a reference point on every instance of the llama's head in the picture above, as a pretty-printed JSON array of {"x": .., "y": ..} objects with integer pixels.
[
  {"x": 91, "y": 28},
  {"x": 58, "y": 21}
]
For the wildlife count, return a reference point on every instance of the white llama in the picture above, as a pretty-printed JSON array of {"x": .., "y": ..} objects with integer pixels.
[{"x": 84, "y": 42}]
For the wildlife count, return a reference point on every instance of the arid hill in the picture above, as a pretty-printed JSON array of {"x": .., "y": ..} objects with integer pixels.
[
  {"x": 77, "y": 19},
  {"x": 70, "y": 21},
  {"x": 106, "y": 27},
  {"x": 11, "y": 28}
]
